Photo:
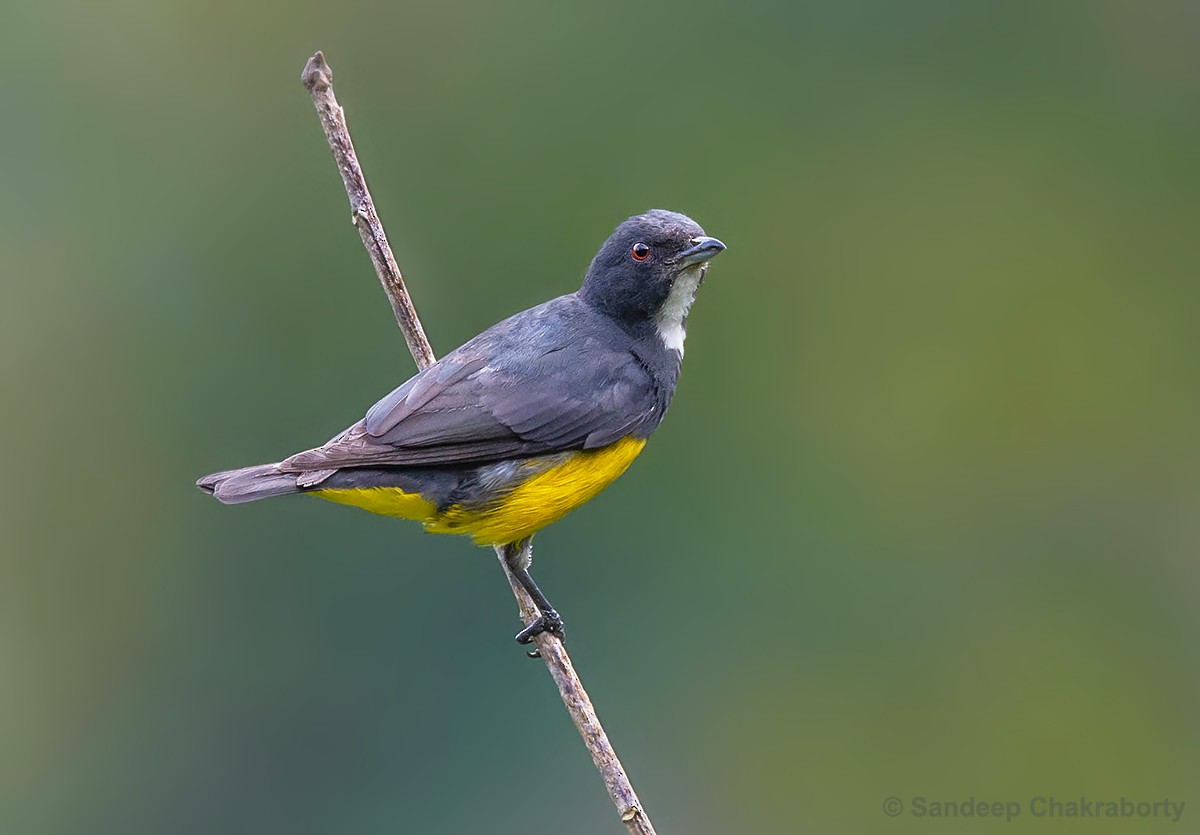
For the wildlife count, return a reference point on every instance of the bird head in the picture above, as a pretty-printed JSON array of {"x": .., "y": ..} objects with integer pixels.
[{"x": 649, "y": 269}]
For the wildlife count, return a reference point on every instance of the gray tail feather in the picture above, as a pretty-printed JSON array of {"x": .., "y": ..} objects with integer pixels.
[{"x": 249, "y": 484}]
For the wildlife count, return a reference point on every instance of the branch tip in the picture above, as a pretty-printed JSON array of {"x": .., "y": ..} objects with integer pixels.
[{"x": 317, "y": 74}]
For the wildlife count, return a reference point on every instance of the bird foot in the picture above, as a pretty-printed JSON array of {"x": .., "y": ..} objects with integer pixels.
[{"x": 548, "y": 621}]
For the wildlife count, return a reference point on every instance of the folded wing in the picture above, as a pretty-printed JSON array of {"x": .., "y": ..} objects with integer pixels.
[{"x": 544, "y": 381}]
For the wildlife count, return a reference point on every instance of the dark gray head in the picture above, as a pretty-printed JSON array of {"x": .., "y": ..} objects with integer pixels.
[{"x": 649, "y": 269}]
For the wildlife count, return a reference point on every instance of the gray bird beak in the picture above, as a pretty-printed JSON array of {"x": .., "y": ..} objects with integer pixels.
[{"x": 702, "y": 248}]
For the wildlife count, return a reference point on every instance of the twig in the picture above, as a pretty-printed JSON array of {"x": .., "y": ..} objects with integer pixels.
[{"x": 318, "y": 80}]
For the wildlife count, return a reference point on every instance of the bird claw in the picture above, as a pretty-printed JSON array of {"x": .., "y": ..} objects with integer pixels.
[{"x": 550, "y": 622}]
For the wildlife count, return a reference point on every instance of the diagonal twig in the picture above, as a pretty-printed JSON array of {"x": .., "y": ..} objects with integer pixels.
[{"x": 318, "y": 80}]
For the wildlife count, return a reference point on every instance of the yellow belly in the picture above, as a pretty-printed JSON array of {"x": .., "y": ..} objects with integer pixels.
[
  {"x": 386, "y": 501},
  {"x": 541, "y": 499}
]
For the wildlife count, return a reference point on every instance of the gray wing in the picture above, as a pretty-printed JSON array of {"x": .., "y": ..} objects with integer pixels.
[{"x": 554, "y": 378}]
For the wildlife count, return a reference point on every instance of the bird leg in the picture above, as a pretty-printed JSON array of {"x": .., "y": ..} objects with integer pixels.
[{"x": 519, "y": 556}]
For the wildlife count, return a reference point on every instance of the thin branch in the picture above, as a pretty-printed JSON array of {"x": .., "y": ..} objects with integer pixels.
[{"x": 318, "y": 80}]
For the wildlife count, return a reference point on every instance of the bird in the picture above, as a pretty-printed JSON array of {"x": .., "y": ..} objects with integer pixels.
[{"x": 526, "y": 421}]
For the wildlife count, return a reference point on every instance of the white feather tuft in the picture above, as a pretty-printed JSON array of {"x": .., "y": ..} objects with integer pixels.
[{"x": 675, "y": 309}]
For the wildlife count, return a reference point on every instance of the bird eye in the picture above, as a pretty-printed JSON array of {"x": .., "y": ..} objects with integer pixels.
[{"x": 641, "y": 251}]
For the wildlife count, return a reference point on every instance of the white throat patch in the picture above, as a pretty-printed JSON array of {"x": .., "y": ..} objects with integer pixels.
[{"x": 675, "y": 308}]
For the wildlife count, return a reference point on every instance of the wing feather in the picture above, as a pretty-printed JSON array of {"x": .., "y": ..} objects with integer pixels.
[{"x": 554, "y": 378}]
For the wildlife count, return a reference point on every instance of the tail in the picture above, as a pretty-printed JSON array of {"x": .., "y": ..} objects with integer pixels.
[{"x": 250, "y": 484}]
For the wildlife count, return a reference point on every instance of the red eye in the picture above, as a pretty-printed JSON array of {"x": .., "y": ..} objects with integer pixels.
[{"x": 641, "y": 251}]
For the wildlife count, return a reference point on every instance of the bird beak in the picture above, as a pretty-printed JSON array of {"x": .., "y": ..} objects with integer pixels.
[{"x": 702, "y": 248}]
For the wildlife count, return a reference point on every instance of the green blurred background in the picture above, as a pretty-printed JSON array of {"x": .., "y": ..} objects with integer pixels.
[{"x": 923, "y": 519}]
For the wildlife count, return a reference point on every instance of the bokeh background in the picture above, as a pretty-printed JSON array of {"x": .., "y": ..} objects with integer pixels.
[{"x": 922, "y": 521}]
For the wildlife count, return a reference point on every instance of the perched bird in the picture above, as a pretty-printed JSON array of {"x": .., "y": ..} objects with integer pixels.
[{"x": 528, "y": 420}]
